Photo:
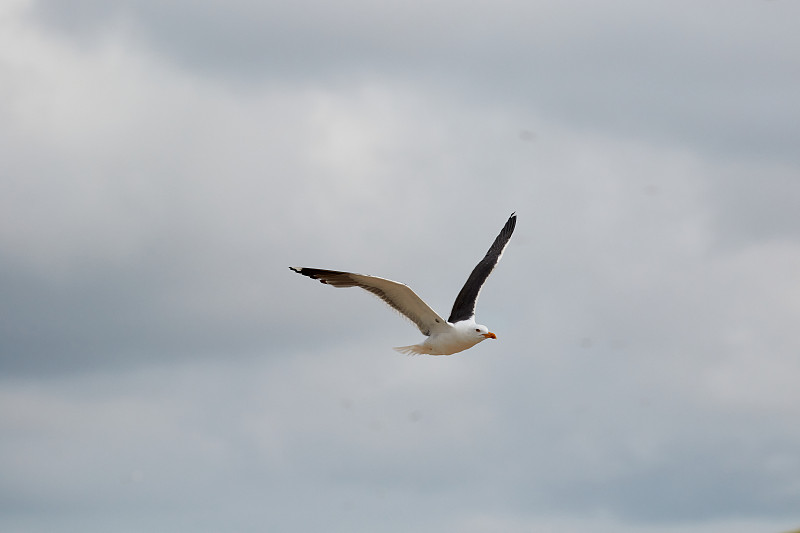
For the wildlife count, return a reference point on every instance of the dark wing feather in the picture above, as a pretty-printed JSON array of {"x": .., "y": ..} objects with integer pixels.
[
  {"x": 397, "y": 295},
  {"x": 464, "y": 306}
]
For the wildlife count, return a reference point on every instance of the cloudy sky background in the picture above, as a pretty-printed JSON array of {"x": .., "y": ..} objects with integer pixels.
[{"x": 162, "y": 163}]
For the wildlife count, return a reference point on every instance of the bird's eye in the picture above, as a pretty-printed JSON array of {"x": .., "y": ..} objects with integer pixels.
[{"x": 478, "y": 330}]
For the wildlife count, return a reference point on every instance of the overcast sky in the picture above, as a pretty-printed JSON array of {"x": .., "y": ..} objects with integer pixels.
[{"x": 162, "y": 163}]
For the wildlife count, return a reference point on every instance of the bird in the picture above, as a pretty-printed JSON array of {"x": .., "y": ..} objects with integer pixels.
[{"x": 444, "y": 337}]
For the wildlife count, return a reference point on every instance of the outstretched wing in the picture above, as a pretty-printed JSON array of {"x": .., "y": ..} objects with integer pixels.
[
  {"x": 397, "y": 295},
  {"x": 464, "y": 306}
]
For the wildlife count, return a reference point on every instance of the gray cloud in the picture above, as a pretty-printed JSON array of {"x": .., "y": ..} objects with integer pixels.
[
  {"x": 162, "y": 165},
  {"x": 708, "y": 76}
]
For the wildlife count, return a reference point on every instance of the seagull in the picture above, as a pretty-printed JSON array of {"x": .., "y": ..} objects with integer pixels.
[{"x": 444, "y": 337}]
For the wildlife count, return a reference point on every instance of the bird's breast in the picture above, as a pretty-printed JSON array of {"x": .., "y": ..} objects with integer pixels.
[{"x": 451, "y": 342}]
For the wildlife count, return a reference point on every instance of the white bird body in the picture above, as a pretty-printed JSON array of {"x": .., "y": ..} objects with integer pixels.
[
  {"x": 450, "y": 339},
  {"x": 445, "y": 337}
]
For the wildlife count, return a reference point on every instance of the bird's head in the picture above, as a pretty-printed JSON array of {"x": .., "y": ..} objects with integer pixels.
[{"x": 483, "y": 333}]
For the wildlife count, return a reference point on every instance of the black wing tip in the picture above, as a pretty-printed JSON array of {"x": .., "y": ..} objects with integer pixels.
[
  {"x": 512, "y": 220},
  {"x": 312, "y": 273},
  {"x": 509, "y": 226},
  {"x": 309, "y": 271}
]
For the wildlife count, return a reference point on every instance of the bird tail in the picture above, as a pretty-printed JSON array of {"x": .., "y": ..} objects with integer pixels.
[{"x": 414, "y": 349}]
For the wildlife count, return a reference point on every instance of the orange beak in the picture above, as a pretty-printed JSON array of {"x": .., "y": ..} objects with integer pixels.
[{"x": 490, "y": 335}]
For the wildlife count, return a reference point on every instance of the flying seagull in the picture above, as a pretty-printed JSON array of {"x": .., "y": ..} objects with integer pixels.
[{"x": 454, "y": 335}]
